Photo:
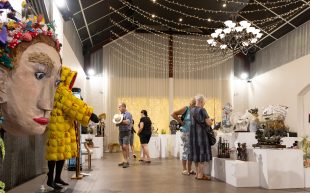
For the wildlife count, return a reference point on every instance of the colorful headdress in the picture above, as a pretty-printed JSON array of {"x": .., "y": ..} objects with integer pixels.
[{"x": 15, "y": 32}]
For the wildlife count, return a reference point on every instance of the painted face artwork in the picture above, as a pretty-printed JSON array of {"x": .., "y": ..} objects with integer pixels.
[{"x": 30, "y": 90}]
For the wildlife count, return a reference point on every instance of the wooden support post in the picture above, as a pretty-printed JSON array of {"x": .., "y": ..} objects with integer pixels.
[{"x": 77, "y": 174}]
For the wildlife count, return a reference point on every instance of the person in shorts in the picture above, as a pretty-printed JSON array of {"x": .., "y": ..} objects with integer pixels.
[
  {"x": 145, "y": 133},
  {"x": 183, "y": 117},
  {"x": 124, "y": 133}
]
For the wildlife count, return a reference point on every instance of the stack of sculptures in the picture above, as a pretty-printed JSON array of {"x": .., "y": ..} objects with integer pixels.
[{"x": 272, "y": 129}]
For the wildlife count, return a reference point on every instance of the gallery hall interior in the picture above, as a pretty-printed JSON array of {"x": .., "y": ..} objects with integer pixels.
[{"x": 154, "y": 96}]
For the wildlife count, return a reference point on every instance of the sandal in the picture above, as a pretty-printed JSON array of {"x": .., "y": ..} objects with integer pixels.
[
  {"x": 185, "y": 172},
  {"x": 141, "y": 160},
  {"x": 192, "y": 172},
  {"x": 147, "y": 162},
  {"x": 204, "y": 178}
]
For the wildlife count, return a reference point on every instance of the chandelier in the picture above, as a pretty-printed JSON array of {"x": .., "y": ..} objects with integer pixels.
[{"x": 235, "y": 37}]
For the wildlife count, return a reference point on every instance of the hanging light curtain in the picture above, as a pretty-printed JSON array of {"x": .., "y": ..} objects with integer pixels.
[
  {"x": 199, "y": 71},
  {"x": 137, "y": 75},
  {"x": 135, "y": 71}
]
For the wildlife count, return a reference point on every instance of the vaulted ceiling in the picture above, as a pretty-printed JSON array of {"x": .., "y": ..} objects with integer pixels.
[{"x": 97, "y": 20}]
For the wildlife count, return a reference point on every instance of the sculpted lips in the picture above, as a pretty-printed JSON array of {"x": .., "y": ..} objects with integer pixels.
[{"x": 41, "y": 120}]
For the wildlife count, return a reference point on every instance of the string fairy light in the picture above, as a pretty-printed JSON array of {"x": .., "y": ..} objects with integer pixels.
[
  {"x": 187, "y": 70},
  {"x": 139, "y": 10},
  {"x": 227, "y": 12},
  {"x": 135, "y": 47},
  {"x": 158, "y": 55},
  {"x": 157, "y": 43},
  {"x": 149, "y": 29},
  {"x": 213, "y": 20}
]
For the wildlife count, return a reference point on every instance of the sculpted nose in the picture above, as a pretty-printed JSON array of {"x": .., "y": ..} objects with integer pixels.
[{"x": 46, "y": 100}]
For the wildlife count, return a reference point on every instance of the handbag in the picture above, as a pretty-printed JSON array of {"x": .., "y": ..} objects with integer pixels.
[
  {"x": 210, "y": 132},
  {"x": 211, "y": 136}
]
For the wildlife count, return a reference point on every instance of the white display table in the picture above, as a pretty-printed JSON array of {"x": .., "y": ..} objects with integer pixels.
[
  {"x": 178, "y": 147},
  {"x": 163, "y": 146},
  {"x": 288, "y": 141},
  {"x": 154, "y": 147},
  {"x": 98, "y": 145},
  {"x": 280, "y": 168},
  {"x": 236, "y": 173},
  {"x": 307, "y": 177}
]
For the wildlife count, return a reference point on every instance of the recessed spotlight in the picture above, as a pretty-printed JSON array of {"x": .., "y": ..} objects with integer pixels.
[
  {"x": 91, "y": 72},
  {"x": 180, "y": 19},
  {"x": 154, "y": 1},
  {"x": 224, "y": 4},
  {"x": 153, "y": 15},
  {"x": 244, "y": 76},
  {"x": 209, "y": 19}
]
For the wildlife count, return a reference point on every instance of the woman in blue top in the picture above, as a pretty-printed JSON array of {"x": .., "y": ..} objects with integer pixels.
[{"x": 183, "y": 117}]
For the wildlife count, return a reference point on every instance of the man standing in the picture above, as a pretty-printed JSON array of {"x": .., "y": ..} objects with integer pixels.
[{"x": 124, "y": 133}]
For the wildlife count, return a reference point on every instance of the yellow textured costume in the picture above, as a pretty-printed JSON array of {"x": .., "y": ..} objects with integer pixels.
[{"x": 61, "y": 144}]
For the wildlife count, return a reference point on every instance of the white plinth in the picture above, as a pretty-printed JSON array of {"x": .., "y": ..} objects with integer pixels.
[
  {"x": 307, "y": 177},
  {"x": 280, "y": 168},
  {"x": 163, "y": 146},
  {"x": 98, "y": 151},
  {"x": 236, "y": 173},
  {"x": 242, "y": 174},
  {"x": 288, "y": 141},
  {"x": 177, "y": 145},
  {"x": 154, "y": 147}
]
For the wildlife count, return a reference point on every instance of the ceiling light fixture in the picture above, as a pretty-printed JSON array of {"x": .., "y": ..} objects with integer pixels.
[
  {"x": 235, "y": 37},
  {"x": 209, "y": 19},
  {"x": 153, "y": 15},
  {"x": 224, "y": 4},
  {"x": 180, "y": 20},
  {"x": 154, "y": 1}
]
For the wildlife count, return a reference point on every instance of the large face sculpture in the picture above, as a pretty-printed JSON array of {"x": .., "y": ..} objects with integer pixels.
[{"x": 30, "y": 89}]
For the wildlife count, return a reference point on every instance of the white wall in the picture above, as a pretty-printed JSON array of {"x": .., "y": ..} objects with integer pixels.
[
  {"x": 240, "y": 95},
  {"x": 282, "y": 86},
  {"x": 70, "y": 60}
]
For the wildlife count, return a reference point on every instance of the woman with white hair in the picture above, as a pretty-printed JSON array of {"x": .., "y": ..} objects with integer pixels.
[{"x": 200, "y": 147}]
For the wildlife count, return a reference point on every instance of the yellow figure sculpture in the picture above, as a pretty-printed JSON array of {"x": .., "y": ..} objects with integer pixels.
[{"x": 61, "y": 144}]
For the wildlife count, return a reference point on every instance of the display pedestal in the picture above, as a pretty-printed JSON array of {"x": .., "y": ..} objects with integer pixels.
[
  {"x": 307, "y": 177},
  {"x": 177, "y": 145},
  {"x": 154, "y": 147},
  {"x": 236, "y": 173},
  {"x": 280, "y": 168},
  {"x": 163, "y": 146}
]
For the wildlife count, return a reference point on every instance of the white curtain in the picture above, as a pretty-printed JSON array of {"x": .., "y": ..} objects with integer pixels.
[
  {"x": 135, "y": 71},
  {"x": 199, "y": 71}
]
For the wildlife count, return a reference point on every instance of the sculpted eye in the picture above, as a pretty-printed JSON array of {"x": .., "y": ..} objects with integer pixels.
[
  {"x": 39, "y": 75},
  {"x": 57, "y": 82}
]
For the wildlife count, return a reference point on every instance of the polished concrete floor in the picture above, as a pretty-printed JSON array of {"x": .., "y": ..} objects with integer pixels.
[{"x": 161, "y": 176}]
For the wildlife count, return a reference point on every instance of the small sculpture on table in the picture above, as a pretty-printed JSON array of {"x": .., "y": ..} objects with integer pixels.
[
  {"x": 254, "y": 122},
  {"x": 101, "y": 125},
  {"x": 226, "y": 124},
  {"x": 242, "y": 152}
]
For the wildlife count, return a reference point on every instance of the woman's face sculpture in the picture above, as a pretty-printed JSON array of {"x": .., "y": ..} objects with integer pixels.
[{"x": 30, "y": 90}]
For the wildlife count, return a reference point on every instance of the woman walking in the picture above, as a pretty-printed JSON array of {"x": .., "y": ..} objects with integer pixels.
[
  {"x": 199, "y": 142},
  {"x": 183, "y": 117},
  {"x": 145, "y": 133}
]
